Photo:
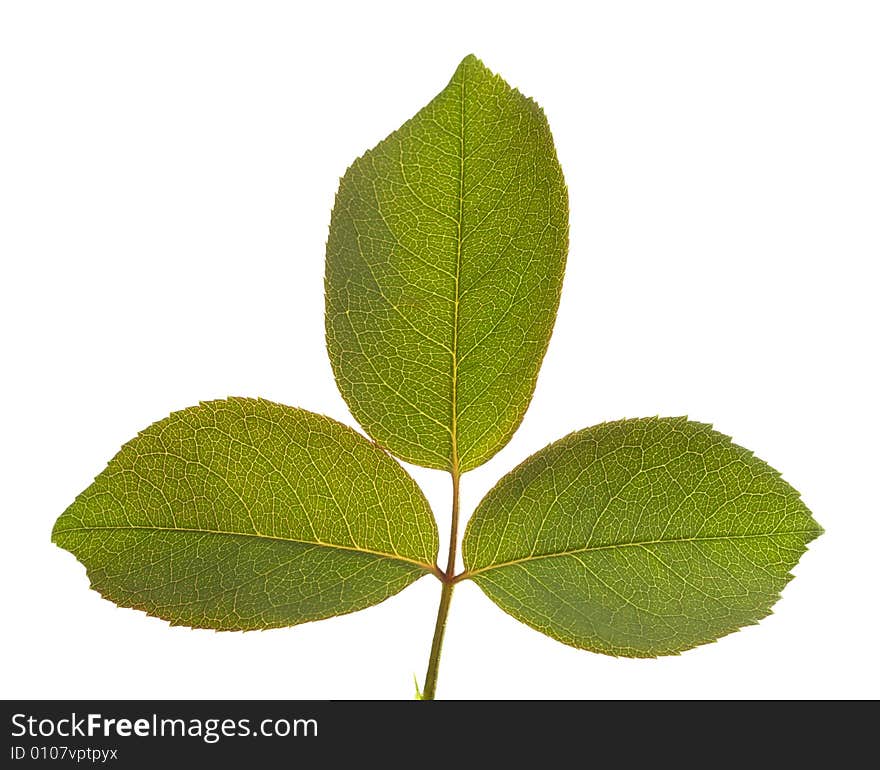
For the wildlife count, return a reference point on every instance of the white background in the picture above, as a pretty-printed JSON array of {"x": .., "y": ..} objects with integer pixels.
[{"x": 167, "y": 171}]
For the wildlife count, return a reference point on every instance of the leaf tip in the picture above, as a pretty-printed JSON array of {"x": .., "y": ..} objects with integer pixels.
[
  {"x": 59, "y": 528},
  {"x": 469, "y": 61},
  {"x": 817, "y": 530},
  {"x": 472, "y": 67}
]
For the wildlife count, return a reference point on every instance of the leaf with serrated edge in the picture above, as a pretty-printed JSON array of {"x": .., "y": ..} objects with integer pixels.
[
  {"x": 640, "y": 538},
  {"x": 244, "y": 514},
  {"x": 444, "y": 268}
]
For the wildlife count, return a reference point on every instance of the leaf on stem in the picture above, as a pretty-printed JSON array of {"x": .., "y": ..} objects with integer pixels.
[
  {"x": 444, "y": 267},
  {"x": 639, "y": 538},
  {"x": 244, "y": 514}
]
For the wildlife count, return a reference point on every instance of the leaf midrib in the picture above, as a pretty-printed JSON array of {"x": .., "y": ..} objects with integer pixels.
[
  {"x": 454, "y": 459},
  {"x": 257, "y": 535},
  {"x": 467, "y": 574}
]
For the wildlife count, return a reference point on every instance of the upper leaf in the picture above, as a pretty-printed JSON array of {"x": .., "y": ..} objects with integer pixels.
[
  {"x": 638, "y": 538},
  {"x": 444, "y": 267},
  {"x": 244, "y": 514}
]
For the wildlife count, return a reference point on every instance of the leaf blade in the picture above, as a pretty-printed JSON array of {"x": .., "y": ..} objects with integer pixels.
[
  {"x": 444, "y": 263},
  {"x": 638, "y": 538},
  {"x": 243, "y": 514}
]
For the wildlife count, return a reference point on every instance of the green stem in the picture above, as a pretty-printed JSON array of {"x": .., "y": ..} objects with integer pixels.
[{"x": 430, "y": 687}]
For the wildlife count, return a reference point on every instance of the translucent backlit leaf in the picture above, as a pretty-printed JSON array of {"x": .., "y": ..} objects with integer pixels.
[
  {"x": 639, "y": 537},
  {"x": 244, "y": 514},
  {"x": 444, "y": 266}
]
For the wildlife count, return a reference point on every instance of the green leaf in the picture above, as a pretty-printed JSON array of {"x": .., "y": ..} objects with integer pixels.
[
  {"x": 243, "y": 514},
  {"x": 444, "y": 267},
  {"x": 639, "y": 538}
]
